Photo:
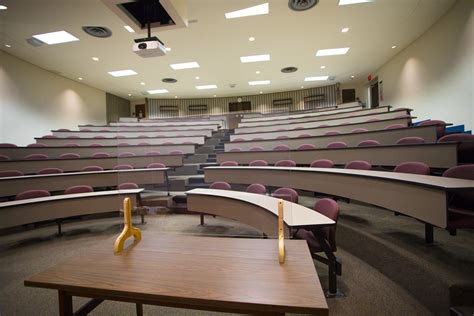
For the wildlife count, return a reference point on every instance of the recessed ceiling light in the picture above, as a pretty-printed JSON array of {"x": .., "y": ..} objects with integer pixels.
[
  {"x": 168, "y": 49},
  {"x": 3, "y": 7},
  {"x": 95, "y": 58},
  {"x": 352, "y": 77},
  {"x": 316, "y": 78},
  {"x": 157, "y": 91},
  {"x": 346, "y": 2},
  {"x": 129, "y": 94},
  {"x": 394, "y": 46},
  {"x": 261, "y": 92},
  {"x": 188, "y": 65},
  {"x": 302, "y": 87},
  {"x": 345, "y": 30},
  {"x": 215, "y": 95},
  {"x": 175, "y": 96},
  {"x": 197, "y": 78},
  {"x": 8, "y": 45},
  {"x": 80, "y": 78},
  {"x": 332, "y": 51},
  {"x": 257, "y": 72},
  {"x": 323, "y": 67},
  {"x": 251, "y": 11},
  {"x": 254, "y": 58},
  {"x": 251, "y": 39},
  {"x": 142, "y": 83},
  {"x": 206, "y": 87},
  {"x": 259, "y": 82},
  {"x": 128, "y": 28},
  {"x": 122, "y": 73},
  {"x": 56, "y": 37}
]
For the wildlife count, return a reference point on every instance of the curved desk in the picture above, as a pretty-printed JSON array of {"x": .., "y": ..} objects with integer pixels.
[
  {"x": 435, "y": 155},
  {"x": 138, "y": 127},
  {"x": 128, "y": 134},
  {"x": 71, "y": 165},
  {"x": 385, "y": 137},
  {"x": 171, "y": 124},
  {"x": 422, "y": 197},
  {"x": 11, "y": 186},
  {"x": 297, "y": 114},
  {"x": 115, "y": 141}
]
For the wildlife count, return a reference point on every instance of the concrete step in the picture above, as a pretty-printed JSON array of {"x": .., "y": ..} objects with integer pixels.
[
  {"x": 211, "y": 155},
  {"x": 195, "y": 180},
  {"x": 205, "y": 149},
  {"x": 212, "y": 141},
  {"x": 211, "y": 159},
  {"x": 196, "y": 158},
  {"x": 177, "y": 184},
  {"x": 188, "y": 169}
]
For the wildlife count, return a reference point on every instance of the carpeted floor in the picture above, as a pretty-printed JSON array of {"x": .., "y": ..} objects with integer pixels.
[{"x": 368, "y": 287}]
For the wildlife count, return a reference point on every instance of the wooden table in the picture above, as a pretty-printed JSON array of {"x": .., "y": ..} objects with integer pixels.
[{"x": 204, "y": 273}]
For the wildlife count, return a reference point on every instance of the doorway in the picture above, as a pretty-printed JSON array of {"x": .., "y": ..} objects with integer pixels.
[
  {"x": 374, "y": 94},
  {"x": 140, "y": 111}
]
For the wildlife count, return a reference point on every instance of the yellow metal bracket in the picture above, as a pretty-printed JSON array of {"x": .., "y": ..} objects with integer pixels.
[
  {"x": 281, "y": 233},
  {"x": 128, "y": 230}
]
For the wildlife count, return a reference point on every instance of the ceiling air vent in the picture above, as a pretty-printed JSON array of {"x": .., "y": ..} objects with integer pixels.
[
  {"x": 169, "y": 80},
  {"x": 302, "y": 5},
  {"x": 288, "y": 70},
  {"x": 97, "y": 31}
]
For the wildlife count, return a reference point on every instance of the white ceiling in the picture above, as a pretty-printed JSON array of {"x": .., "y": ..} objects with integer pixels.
[{"x": 291, "y": 38}]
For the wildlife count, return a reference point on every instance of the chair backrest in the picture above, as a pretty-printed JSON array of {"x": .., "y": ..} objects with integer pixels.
[
  {"x": 156, "y": 165},
  {"x": 100, "y": 155},
  {"x": 78, "y": 189},
  {"x": 322, "y": 163},
  {"x": 4, "y": 157},
  {"x": 285, "y": 163},
  {"x": 304, "y": 135},
  {"x": 95, "y": 145},
  {"x": 220, "y": 185},
  {"x": 414, "y": 167},
  {"x": 368, "y": 143},
  {"x": 153, "y": 153},
  {"x": 123, "y": 144},
  {"x": 168, "y": 143},
  {"x": 229, "y": 163},
  {"x": 395, "y": 126},
  {"x": 176, "y": 152},
  {"x": 70, "y": 156},
  {"x": 256, "y": 188},
  {"x": 358, "y": 165},
  {"x": 5, "y": 145},
  {"x": 258, "y": 163},
  {"x": 336, "y": 145},
  {"x": 411, "y": 140},
  {"x": 235, "y": 149},
  {"x": 50, "y": 171},
  {"x": 462, "y": 199},
  {"x": 328, "y": 208},
  {"x": 32, "y": 194},
  {"x": 126, "y": 154},
  {"x": 49, "y": 136},
  {"x": 11, "y": 173},
  {"x": 286, "y": 194},
  {"x": 36, "y": 145},
  {"x": 440, "y": 129},
  {"x": 123, "y": 167},
  {"x": 120, "y": 136},
  {"x": 92, "y": 168},
  {"x": 64, "y": 130},
  {"x": 36, "y": 157},
  {"x": 458, "y": 137},
  {"x": 256, "y": 148},
  {"x": 306, "y": 147},
  {"x": 128, "y": 186},
  {"x": 71, "y": 145},
  {"x": 359, "y": 130},
  {"x": 330, "y": 133},
  {"x": 281, "y": 148}
]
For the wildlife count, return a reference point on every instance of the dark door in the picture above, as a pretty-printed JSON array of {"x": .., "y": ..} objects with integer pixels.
[
  {"x": 374, "y": 95},
  {"x": 140, "y": 110},
  {"x": 348, "y": 95}
]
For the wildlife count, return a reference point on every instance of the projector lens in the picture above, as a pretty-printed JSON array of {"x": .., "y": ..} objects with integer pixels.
[{"x": 142, "y": 46}]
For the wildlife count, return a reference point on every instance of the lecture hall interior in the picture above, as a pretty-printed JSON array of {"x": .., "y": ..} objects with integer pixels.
[{"x": 245, "y": 157}]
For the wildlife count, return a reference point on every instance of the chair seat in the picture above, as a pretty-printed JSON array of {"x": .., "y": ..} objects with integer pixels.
[{"x": 313, "y": 243}]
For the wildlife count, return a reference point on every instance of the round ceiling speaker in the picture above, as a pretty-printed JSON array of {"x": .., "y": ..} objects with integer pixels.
[
  {"x": 302, "y": 5},
  {"x": 288, "y": 70},
  {"x": 169, "y": 80},
  {"x": 97, "y": 31}
]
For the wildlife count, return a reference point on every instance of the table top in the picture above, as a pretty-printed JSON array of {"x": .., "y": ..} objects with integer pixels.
[
  {"x": 83, "y": 173},
  {"x": 194, "y": 272},
  {"x": 294, "y": 214}
]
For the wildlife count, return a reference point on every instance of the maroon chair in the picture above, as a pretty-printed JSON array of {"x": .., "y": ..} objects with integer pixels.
[
  {"x": 100, "y": 155},
  {"x": 128, "y": 186},
  {"x": 285, "y": 163},
  {"x": 4, "y": 157},
  {"x": 465, "y": 147},
  {"x": 256, "y": 188},
  {"x": 331, "y": 133},
  {"x": 368, "y": 143},
  {"x": 322, "y": 163},
  {"x": 156, "y": 165},
  {"x": 304, "y": 135},
  {"x": 239, "y": 140},
  {"x": 168, "y": 143},
  {"x": 287, "y": 194},
  {"x": 71, "y": 145},
  {"x": 395, "y": 126},
  {"x": 410, "y": 140},
  {"x": 336, "y": 145},
  {"x": 36, "y": 157},
  {"x": 282, "y": 137},
  {"x": 79, "y": 189},
  {"x": 64, "y": 130},
  {"x": 49, "y": 136},
  {"x": 69, "y": 156},
  {"x": 123, "y": 167},
  {"x": 306, "y": 147},
  {"x": 229, "y": 163},
  {"x": 440, "y": 129},
  {"x": 258, "y": 163},
  {"x": 153, "y": 153},
  {"x": 358, "y": 165},
  {"x": 11, "y": 173},
  {"x": 120, "y": 136},
  {"x": 457, "y": 137},
  {"x": 36, "y": 145},
  {"x": 359, "y": 130},
  {"x": 256, "y": 148},
  {"x": 50, "y": 171},
  {"x": 176, "y": 152},
  {"x": 7, "y": 145},
  {"x": 126, "y": 154},
  {"x": 92, "y": 168},
  {"x": 235, "y": 149},
  {"x": 414, "y": 167},
  {"x": 219, "y": 185},
  {"x": 123, "y": 144},
  {"x": 281, "y": 148},
  {"x": 95, "y": 145},
  {"x": 461, "y": 204},
  {"x": 32, "y": 194}
]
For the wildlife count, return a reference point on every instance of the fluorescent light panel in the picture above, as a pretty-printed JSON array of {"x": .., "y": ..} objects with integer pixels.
[
  {"x": 56, "y": 37},
  {"x": 206, "y": 87},
  {"x": 122, "y": 73},
  {"x": 128, "y": 28},
  {"x": 157, "y": 91},
  {"x": 259, "y": 82},
  {"x": 332, "y": 51},
  {"x": 316, "y": 78},
  {"x": 254, "y": 58},
  {"x": 189, "y": 65},
  {"x": 251, "y": 11},
  {"x": 3, "y": 7},
  {"x": 346, "y": 2}
]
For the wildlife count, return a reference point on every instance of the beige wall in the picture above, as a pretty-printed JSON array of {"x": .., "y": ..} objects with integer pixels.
[
  {"x": 434, "y": 74},
  {"x": 34, "y": 101}
]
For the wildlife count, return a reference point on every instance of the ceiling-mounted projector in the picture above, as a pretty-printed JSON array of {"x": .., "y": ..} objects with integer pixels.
[{"x": 149, "y": 47}]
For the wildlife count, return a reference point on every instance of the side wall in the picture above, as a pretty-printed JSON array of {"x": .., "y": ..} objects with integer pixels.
[
  {"x": 34, "y": 101},
  {"x": 434, "y": 74}
]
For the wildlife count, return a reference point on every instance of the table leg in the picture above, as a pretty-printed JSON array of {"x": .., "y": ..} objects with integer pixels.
[
  {"x": 65, "y": 304},
  {"x": 139, "y": 309}
]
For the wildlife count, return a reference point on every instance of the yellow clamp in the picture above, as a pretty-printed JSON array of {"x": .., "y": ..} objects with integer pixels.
[
  {"x": 128, "y": 229},
  {"x": 281, "y": 233}
]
